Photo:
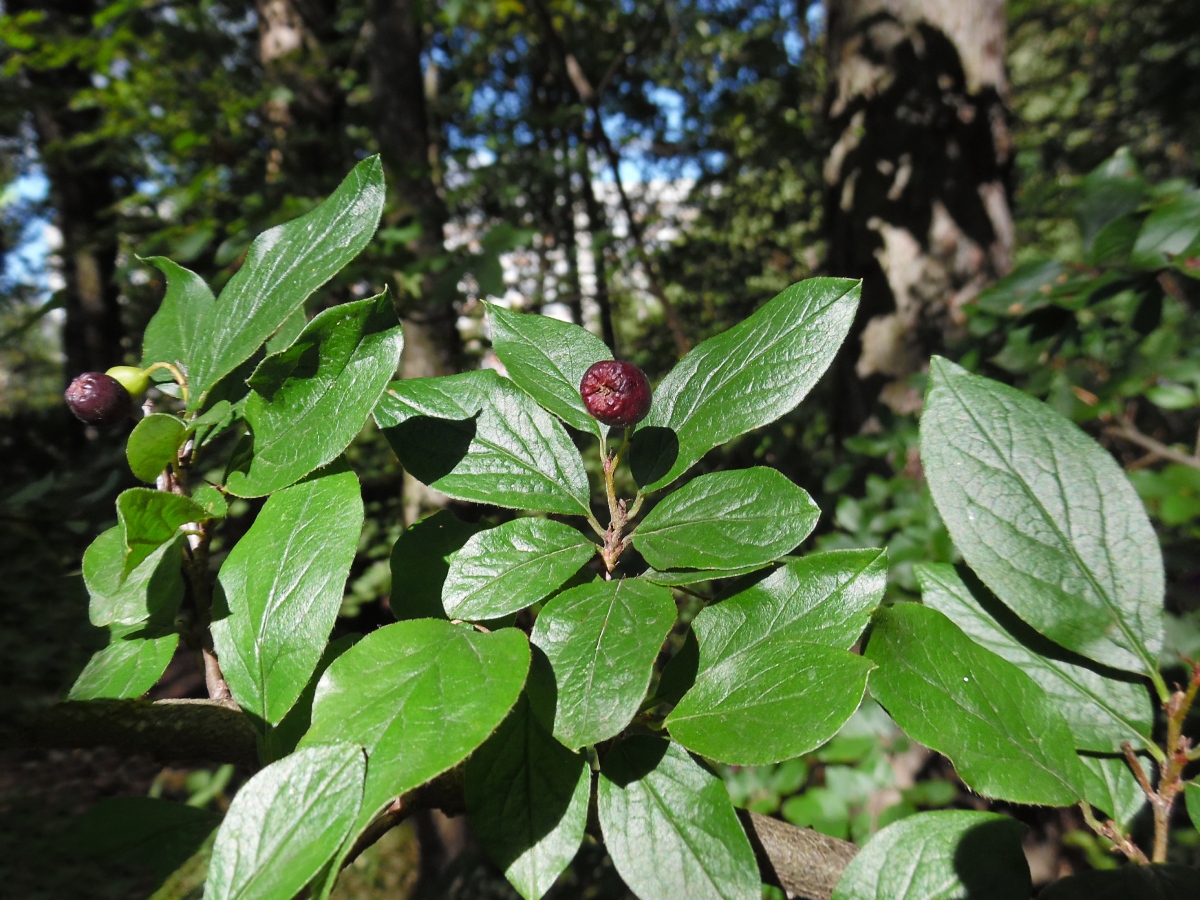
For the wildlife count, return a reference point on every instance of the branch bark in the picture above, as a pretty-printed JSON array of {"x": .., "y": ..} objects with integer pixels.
[{"x": 804, "y": 863}]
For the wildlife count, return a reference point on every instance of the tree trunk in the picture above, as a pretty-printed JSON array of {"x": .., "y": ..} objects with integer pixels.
[
  {"x": 917, "y": 180},
  {"x": 82, "y": 194}
]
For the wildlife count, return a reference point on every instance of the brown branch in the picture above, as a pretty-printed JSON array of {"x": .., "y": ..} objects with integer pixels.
[
  {"x": 804, "y": 863},
  {"x": 1126, "y": 430}
]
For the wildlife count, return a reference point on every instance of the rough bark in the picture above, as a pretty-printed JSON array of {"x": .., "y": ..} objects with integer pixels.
[
  {"x": 918, "y": 198},
  {"x": 805, "y": 863},
  {"x": 432, "y": 345},
  {"x": 82, "y": 193}
]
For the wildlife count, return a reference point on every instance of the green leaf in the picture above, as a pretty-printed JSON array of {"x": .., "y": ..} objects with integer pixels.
[
  {"x": 674, "y": 577},
  {"x": 282, "y": 268},
  {"x": 285, "y": 823},
  {"x": 1100, "y": 711},
  {"x": 512, "y": 566},
  {"x": 477, "y": 436},
  {"x": 669, "y": 826},
  {"x": 995, "y": 723},
  {"x": 149, "y": 518},
  {"x": 142, "y": 831},
  {"x": 775, "y": 700},
  {"x": 940, "y": 855},
  {"x": 280, "y": 589},
  {"x": 773, "y": 664},
  {"x": 284, "y": 737},
  {"x": 308, "y": 402},
  {"x": 1112, "y": 190},
  {"x": 153, "y": 445},
  {"x": 1027, "y": 288},
  {"x": 1191, "y": 795},
  {"x": 419, "y": 696},
  {"x": 1109, "y": 785},
  {"x": 527, "y": 796},
  {"x": 546, "y": 358},
  {"x": 420, "y": 562},
  {"x": 1168, "y": 231},
  {"x": 212, "y": 422},
  {"x": 178, "y": 332},
  {"x": 601, "y": 640},
  {"x": 211, "y": 500},
  {"x": 1163, "y": 882},
  {"x": 743, "y": 378},
  {"x": 1045, "y": 517},
  {"x": 129, "y": 666},
  {"x": 725, "y": 520},
  {"x": 153, "y": 589}
]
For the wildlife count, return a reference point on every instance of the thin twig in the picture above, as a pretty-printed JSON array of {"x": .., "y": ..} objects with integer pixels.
[{"x": 1126, "y": 430}]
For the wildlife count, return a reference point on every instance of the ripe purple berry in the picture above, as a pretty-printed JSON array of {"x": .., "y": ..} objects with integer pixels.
[
  {"x": 615, "y": 393},
  {"x": 98, "y": 399}
]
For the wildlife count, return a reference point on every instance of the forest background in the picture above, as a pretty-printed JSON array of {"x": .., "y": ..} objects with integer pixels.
[{"x": 651, "y": 170}]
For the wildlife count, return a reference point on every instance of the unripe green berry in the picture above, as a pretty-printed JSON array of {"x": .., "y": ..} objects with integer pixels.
[{"x": 132, "y": 378}]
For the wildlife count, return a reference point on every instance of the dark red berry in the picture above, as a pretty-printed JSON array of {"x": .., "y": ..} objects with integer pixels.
[
  {"x": 98, "y": 399},
  {"x": 615, "y": 392}
]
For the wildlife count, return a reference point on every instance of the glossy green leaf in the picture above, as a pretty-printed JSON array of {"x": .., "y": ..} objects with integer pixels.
[
  {"x": 419, "y": 696},
  {"x": 477, "y": 436},
  {"x": 939, "y": 856},
  {"x": 280, "y": 589},
  {"x": 1005, "y": 736},
  {"x": 153, "y": 589},
  {"x": 672, "y": 577},
  {"x": 1168, "y": 231},
  {"x": 527, "y": 796},
  {"x": 601, "y": 640},
  {"x": 546, "y": 358},
  {"x": 743, "y": 378},
  {"x": 1191, "y": 795},
  {"x": 1100, "y": 711},
  {"x": 211, "y": 500},
  {"x": 153, "y": 445},
  {"x": 823, "y": 598},
  {"x": 282, "y": 268},
  {"x": 772, "y": 661},
  {"x": 512, "y": 566},
  {"x": 149, "y": 518},
  {"x": 420, "y": 562},
  {"x": 1110, "y": 786},
  {"x": 178, "y": 332},
  {"x": 284, "y": 737},
  {"x": 285, "y": 823},
  {"x": 212, "y": 421},
  {"x": 1166, "y": 882},
  {"x": 308, "y": 402},
  {"x": 1027, "y": 288},
  {"x": 727, "y": 519},
  {"x": 669, "y": 826},
  {"x": 130, "y": 665},
  {"x": 142, "y": 832},
  {"x": 1045, "y": 517}
]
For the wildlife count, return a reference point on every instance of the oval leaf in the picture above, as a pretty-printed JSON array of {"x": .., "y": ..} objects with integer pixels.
[
  {"x": 669, "y": 826},
  {"x": 308, "y": 402},
  {"x": 995, "y": 723},
  {"x": 942, "y": 854},
  {"x": 1045, "y": 517},
  {"x": 149, "y": 518},
  {"x": 128, "y": 667},
  {"x": 280, "y": 589},
  {"x": 282, "y": 268},
  {"x": 152, "y": 590},
  {"x": 601, "y": 640},
  {"x": 153, "y": 445},
  {"x": 477, "y": 436},
  {"x": 546, "y": 358},
  {"x": 420, "y": 562},
  {"x": 285, "y": 823},
  {"x": 528, "y": 795},
  {"x": 178, "y": 332},
  {"x": 1101, "y": 712},
  {"x": 1110, "y": 786},
  {"x": 743, "y": 378},
  {"x": 419, "y": 696},
  {"x": 507, "y": 568},
  {"x": 727, "y": 519}
]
